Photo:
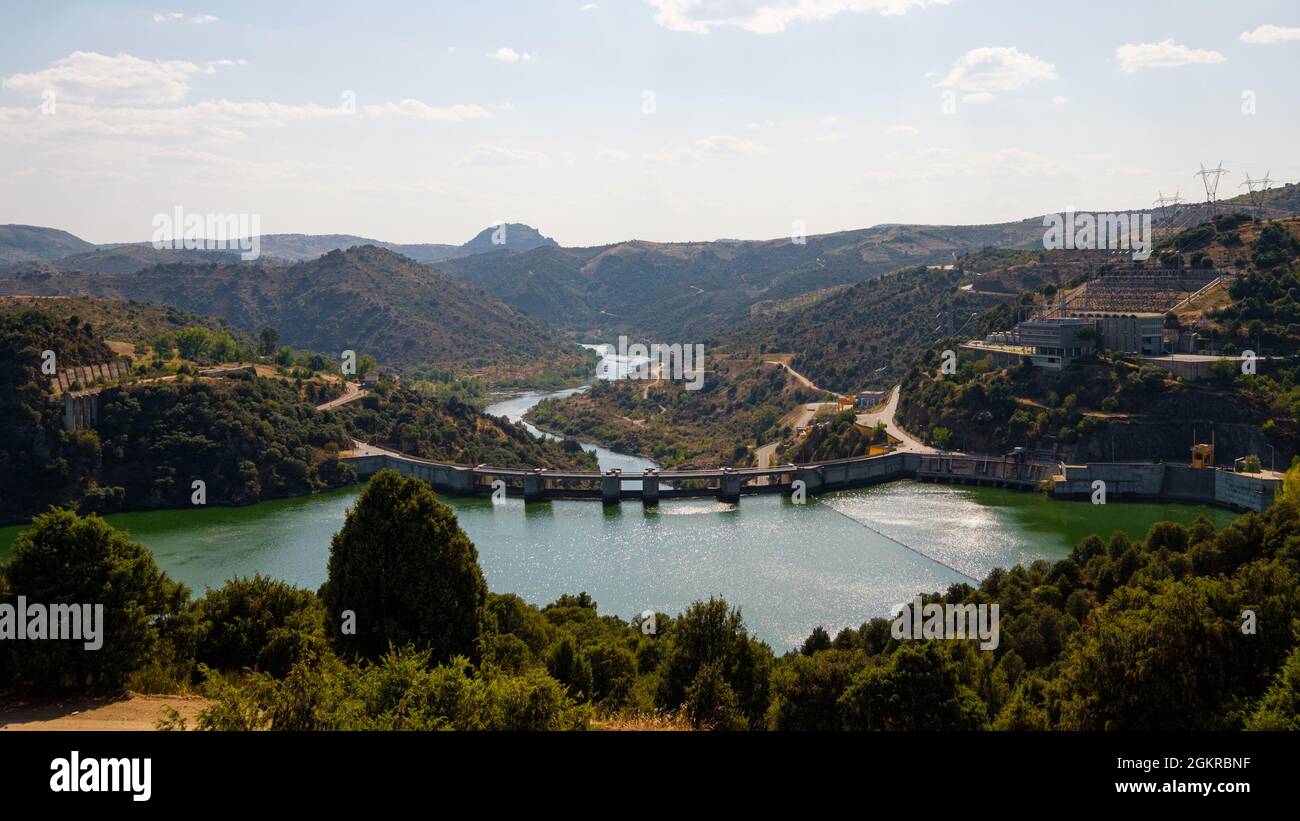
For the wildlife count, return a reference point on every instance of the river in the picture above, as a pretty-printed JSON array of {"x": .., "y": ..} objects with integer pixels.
[{"x": 838, "y": 561}]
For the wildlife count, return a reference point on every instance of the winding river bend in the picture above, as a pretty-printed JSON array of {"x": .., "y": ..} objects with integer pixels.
[{"x": 836, "y": 562}]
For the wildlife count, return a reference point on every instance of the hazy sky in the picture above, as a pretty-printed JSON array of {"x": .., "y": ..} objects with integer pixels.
[{"x": 619, "y": 119}]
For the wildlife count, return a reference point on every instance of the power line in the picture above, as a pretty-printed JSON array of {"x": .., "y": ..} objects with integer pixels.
[
  {"x": 1211, "y": 186},
  {"x": 1256, "y": 195}
]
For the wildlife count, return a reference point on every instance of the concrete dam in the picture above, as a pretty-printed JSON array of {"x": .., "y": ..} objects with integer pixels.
[
  {"x": 725, "y": 484},
  {"x": 1123, "y": 480}
]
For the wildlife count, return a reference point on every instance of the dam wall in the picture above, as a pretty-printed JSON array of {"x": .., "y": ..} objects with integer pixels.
[{"x": 1173, "y": 482}]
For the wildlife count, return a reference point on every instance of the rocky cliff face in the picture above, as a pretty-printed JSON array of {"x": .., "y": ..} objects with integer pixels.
[
  {"x": 1174, "y": 420},
  {"x": 1171, "y": 441}
]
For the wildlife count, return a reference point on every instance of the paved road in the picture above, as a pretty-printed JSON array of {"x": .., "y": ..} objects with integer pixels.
[
  {"x": 360, "y": 448},
  {"x": 351, "y": 392},
  {"x": 798, "y": 418},
  {"x": 886, "y": 415}
]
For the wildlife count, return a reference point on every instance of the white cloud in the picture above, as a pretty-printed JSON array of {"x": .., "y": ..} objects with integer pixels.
[
  {"x": 220, "y": 120},
  {"x": 768, "y": 16},
  {"x": 509, "y": 55},
  {"x": 947, "y": 163},
  {"x": 1165, "y": 54},
  {"x": 87, "y": 76},
  {"x": 211, "y": 66},
  {"x": 984, "y": 72},
  {"x": 903, "y": 130},
  {"x": 176, "y": 16},
  {"x": 1269, "y": 34},
  {"x": 188, "y": 164},
  {"x": 719, "y": 145},
  {"x": 587, "y": 7},
  {"x": 416, "y": 110},
  {"x": 611, "y": 155},
  {"x": 1130, "y": 171},
  {"x": 1059, "y": 100},
  {"x": 484, "y": 154}
]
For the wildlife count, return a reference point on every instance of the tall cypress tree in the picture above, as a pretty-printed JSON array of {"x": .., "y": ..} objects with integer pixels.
[{"x": 407, "y": 572}]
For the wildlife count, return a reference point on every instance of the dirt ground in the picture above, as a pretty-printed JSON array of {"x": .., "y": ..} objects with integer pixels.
[{"x": 126, "y": 711}]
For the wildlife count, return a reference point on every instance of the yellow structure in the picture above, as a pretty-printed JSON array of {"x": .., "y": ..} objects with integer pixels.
[{"x": 1203, "y": 455}]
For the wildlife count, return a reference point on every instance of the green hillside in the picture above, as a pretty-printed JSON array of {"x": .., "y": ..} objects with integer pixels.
[
  {"x": 23, "y": 243},
  {"x": 247, "y": 437},
  {"x": 365, "y": 299}
]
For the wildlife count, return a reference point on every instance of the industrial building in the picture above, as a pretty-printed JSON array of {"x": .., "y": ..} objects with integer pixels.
[
  {"x": 1055, "y": 341},
  {"x": 1139, "y": 333}
]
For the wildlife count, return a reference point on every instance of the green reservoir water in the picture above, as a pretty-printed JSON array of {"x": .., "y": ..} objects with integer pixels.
[{"x": 837, "y": 561}]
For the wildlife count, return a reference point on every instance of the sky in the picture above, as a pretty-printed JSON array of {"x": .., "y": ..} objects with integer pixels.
[{"x": 665, "y": 120}]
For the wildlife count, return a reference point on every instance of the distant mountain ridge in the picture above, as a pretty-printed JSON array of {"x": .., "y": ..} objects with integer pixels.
[
  {"x": 66, "y": 252},
  {"x": 24, "y": 243},
  {"x": 367, "y": 299},
  {"x": 664, "y": 291}
]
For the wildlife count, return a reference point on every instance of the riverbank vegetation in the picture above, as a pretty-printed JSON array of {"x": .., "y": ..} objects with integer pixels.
[
  {"x": 839, "y": 437},
  {"x": 452, "y": 430},
  {"x": 248, "y": 435},
  {"x": 738, "y": 407},
  {"x": 1189, "y": 628}
]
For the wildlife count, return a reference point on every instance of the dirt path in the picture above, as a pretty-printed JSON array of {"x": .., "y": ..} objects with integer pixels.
[
  {"x": 797, "y": 418},
  {"x": 803, "y": 380},
  {"x": 127, "y": 711}
]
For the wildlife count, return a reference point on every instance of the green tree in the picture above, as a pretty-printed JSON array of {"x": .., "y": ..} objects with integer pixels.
[
  {"x": 806, "y": 689},
  {"x": 193, "y": 342},
  {"x": 710, "y": 702},
  {"x": 613, "y": 673},
  {"x": 223, "y": 347},
  {"x": 258, "y": 623},
  {"x": 398, "y": 692},
  {"x": 940, "y": 436},
  {"x": 570, "y": 667},
  {"x": 714, "y": 633},
  {"x": 1279, "y": 709},
  {"x": 162, "y": 346},
  {"x": 916, "y": 689},
  {"x": 66, "y": 559},
  {"x": 819, "y": 639},
  {"x": 267, "y": 339},
  {"x": 406, "y": 571},
  {"x": 1155, "y": 660},
  {"x": 365, "y": 365}
]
